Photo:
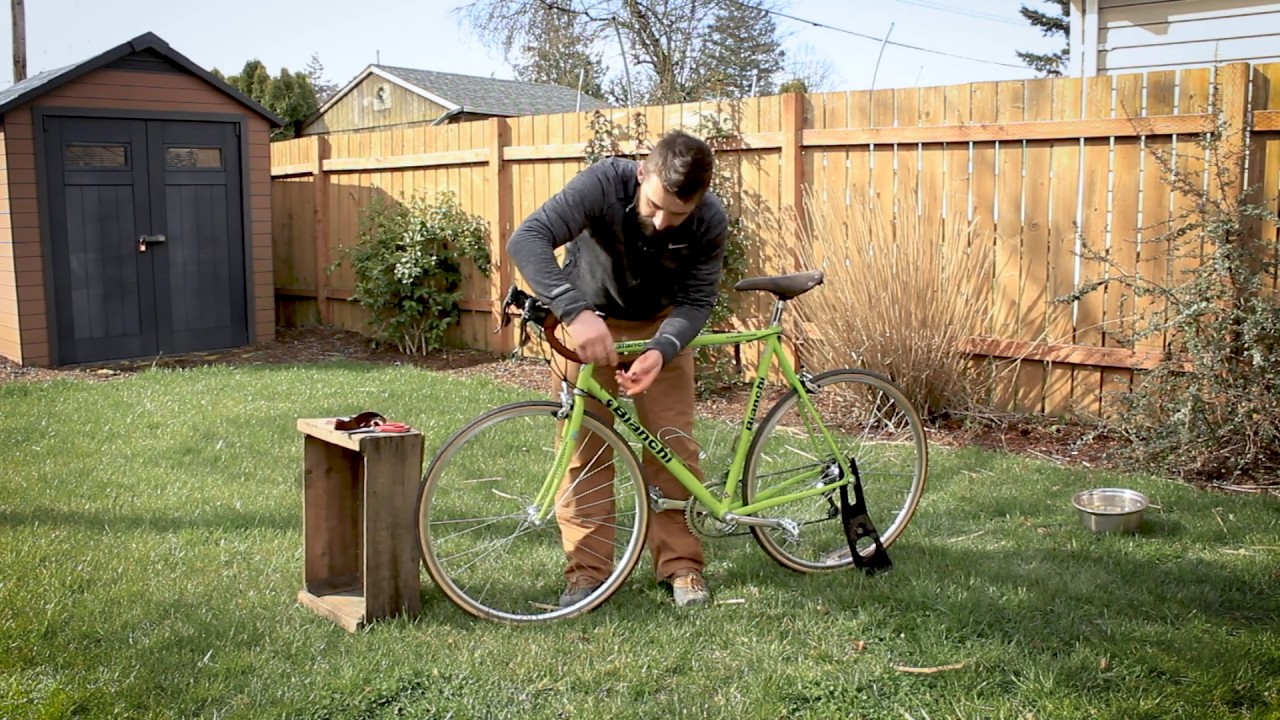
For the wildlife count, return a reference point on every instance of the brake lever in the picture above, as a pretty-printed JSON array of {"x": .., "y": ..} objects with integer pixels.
[{"x": 510, "y": 300}]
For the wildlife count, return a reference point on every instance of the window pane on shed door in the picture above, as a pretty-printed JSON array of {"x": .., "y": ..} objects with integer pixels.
[
  {"x": 189, "y": 158},
  {"x": 95, "y": 155}
]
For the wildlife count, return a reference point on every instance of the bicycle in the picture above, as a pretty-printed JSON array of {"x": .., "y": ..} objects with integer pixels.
[{"x": 484, "y": 502}]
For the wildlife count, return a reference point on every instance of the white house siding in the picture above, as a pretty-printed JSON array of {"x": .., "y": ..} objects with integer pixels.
[{"x": 1125, "y": 36}]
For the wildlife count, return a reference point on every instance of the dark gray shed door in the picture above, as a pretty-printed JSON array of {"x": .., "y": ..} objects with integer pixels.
[{"x": 146, "y": 223}]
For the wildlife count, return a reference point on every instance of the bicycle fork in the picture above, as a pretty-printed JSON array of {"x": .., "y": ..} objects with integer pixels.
[{"x": 543, "y": 505}]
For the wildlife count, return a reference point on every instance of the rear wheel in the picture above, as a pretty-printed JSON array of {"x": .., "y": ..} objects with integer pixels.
[
  {"x": 481, "y": 539},
  {"x": 873, "y": 426}
]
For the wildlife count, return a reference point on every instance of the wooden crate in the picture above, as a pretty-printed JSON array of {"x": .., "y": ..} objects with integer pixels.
[{"x": 359, "y": 524}]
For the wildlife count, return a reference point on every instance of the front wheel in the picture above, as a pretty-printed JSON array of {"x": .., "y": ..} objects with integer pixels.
[
  {"x": 873, "y": 425},
  {"x": 485, "y": 542}
]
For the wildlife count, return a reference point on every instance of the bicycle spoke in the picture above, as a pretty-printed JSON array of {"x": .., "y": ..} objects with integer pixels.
[
  {"x": 509, "y": 566},
  {"x": 869, "y": 424}
]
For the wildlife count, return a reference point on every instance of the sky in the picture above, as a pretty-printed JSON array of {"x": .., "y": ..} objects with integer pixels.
[{"x": 431, "y": 35}]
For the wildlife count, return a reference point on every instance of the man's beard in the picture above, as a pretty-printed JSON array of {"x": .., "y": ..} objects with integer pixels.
[{"x": 646, "y": 225}]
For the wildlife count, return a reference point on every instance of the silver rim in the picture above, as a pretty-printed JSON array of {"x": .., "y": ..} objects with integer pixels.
[
  {"x": 878, "y": 429},
  {"x": 477, "y": 541}
]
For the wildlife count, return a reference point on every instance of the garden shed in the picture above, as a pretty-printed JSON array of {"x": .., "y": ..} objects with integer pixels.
[{"x": 135, "y": 211}]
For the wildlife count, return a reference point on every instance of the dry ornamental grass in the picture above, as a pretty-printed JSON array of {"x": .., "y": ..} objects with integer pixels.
[{"x": 902, "y": 293}]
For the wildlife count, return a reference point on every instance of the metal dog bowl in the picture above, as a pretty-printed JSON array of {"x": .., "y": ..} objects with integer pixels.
[{"x": 1110, "y": 510}]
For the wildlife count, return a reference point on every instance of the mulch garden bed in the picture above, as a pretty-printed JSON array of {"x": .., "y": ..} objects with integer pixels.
[{"x": 1058, "y": 442}]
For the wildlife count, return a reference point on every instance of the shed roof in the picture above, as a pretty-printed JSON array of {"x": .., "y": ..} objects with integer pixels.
[{"x": 145, "y": 46}]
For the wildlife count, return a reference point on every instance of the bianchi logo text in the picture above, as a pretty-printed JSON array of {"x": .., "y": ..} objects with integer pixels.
[
  {"x": 649, "y": 441},
  {"x": 756, "y": 395}
]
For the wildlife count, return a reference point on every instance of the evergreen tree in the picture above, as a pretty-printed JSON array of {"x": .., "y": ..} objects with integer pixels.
[
  {"x": 253, "y": 80},
  {"x": 293, "y": 98},
  {"x": 1050, "y": 25},
  {"x": 742, "y": 53},
  {"x": 794, "y": 85},
  {"x": 558, "y": 51},
  {"x": 314, "y": 71},
  {"x": 290, "y": 96}
]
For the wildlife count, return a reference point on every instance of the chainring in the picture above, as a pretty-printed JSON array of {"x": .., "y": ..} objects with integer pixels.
[{"x": 703, "y": 523}]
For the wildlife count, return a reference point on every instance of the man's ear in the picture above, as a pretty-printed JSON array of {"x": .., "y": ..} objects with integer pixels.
[{"x": 640, "y": 172}]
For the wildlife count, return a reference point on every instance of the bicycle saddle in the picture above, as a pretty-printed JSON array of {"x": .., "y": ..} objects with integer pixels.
[{"x": 785, "y": 287}]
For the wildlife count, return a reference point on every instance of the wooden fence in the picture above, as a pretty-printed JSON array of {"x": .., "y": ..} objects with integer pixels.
[{"x": 1036, "y": 163}]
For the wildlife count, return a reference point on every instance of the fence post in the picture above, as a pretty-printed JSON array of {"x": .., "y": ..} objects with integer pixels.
[
  {"x": 497, "y": 182},
  {"x": 792, "y": 169},
  {"x": 320, "y": 185},
  {"x": 1259, "y": 159},
  {"x": 1233, "y": 104}
]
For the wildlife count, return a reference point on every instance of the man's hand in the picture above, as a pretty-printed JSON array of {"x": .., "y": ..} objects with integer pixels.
[
  {"x": 595, "y": 342},
  {"x": 642, "y": 373}
]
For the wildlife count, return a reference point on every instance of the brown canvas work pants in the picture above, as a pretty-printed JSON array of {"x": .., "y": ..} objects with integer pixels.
[{"x": 585, "y": 515}]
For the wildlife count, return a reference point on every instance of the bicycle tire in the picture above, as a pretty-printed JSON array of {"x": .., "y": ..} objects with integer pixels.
[
  {"x": 429, "y": 504},
  {"x": 839, "y": 556}
]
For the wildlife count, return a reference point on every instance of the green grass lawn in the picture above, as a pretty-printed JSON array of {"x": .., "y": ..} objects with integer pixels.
[{"x": 150, "y": 530}]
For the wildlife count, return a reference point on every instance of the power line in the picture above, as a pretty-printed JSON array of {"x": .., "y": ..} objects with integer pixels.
[
  {"x": 744, "y": 5},
  {"x": 962, "y": 11}
]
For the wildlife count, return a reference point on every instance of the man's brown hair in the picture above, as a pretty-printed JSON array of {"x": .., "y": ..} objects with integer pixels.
[{"x": 682, "y": 163}]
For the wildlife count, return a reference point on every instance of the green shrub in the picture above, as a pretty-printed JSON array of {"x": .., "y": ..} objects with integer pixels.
[
  {"x": 1209, "y": 412},
  {"x": 410, "y": 262}
]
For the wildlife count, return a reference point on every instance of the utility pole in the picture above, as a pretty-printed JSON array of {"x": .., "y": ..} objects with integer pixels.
[{"x": 19, "y": 41}]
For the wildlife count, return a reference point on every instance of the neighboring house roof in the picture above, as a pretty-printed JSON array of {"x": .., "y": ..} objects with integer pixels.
[
  {"x": 473, "y": 94},
  {"x": 33, "y": 87},
  {"x": 490, "y": 96}
]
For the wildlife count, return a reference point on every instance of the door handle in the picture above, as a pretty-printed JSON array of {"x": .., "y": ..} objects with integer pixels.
[{"x": 145, "y": 240}]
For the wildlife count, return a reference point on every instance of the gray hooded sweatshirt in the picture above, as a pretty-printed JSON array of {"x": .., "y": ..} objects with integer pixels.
[{"x": 612, "y": 266}]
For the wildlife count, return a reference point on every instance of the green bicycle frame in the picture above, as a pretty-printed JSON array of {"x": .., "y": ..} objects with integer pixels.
[{"x": 728, "y": 502}]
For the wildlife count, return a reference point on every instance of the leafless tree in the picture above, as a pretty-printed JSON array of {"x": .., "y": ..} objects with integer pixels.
[{"x": 664, "y": 42}]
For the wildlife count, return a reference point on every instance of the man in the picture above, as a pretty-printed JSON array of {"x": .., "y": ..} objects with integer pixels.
[{"x": 647, "y": 252}]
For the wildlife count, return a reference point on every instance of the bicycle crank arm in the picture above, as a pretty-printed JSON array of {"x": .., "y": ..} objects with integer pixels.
[
  {"x": 790, "y": 527},
  {"x": 658, "y": 503}
]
